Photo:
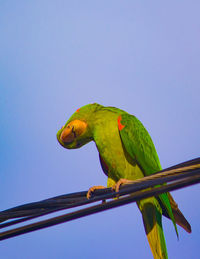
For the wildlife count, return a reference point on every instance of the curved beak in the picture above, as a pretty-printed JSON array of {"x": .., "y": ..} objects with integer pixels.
[{"x": 67, "y": 135}]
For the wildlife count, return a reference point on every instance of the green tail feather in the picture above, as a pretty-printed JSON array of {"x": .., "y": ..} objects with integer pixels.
[
  {"x": 152, "y": 219},
  {"x": 165, "y": 200}
]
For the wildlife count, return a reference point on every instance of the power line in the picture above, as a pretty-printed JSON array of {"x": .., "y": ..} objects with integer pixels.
[{"x": 176, "y": 177}]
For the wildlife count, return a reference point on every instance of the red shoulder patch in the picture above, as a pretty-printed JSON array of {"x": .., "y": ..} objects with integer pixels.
[
  {"x": 78, "y": 110},
  {"x": 120, "y": 126}
]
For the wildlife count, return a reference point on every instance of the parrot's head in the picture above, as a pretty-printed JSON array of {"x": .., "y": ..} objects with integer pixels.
[{"x": 78, "y": 129}]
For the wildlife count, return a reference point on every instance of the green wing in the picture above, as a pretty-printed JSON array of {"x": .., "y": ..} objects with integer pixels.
[{"x": 139, "y": 145}]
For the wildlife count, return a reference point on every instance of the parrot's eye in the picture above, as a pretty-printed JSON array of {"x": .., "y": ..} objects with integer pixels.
[{"x": 73, "y": 131}]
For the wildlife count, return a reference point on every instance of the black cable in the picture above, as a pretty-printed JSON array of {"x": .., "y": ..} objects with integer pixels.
[
  {"x": 98, "y": 208},
  {"x": 180, "y": 175}
]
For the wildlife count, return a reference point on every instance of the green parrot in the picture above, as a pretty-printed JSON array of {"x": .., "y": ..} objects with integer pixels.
[{"x": 126, "y": 151}]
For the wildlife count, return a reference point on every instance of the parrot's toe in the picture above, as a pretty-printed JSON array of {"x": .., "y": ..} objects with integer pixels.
[
  {"x": 92, "y": 189},
  {"x": 119, "y": 183}
]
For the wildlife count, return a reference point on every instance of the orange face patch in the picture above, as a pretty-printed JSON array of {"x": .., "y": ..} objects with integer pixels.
[
  {"x": 120, "y": 126},
  {"x": 78, "y": 110}
]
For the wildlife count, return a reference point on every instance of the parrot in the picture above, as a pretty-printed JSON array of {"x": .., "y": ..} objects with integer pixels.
[{"x": 126, "y": 153}]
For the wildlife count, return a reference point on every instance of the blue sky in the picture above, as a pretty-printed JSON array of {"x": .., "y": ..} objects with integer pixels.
[{"x": 55, "y": 56}]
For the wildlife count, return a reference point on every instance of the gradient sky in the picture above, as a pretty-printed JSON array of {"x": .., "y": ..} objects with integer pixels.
[{"x": 55, "y": 56}]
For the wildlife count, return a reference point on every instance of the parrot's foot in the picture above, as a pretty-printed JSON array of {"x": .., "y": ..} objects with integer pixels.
[
  {"x": 92, "y": 189},
  {"x": 120, "y": 182}
]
